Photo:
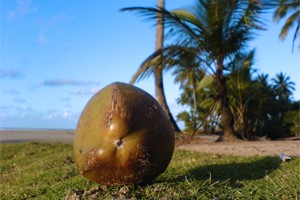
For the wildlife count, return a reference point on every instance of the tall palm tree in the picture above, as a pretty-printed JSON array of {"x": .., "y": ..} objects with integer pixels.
[
  {"x": 284, "y": 8},
  {"x": 265, "y": 106},
  {"x": 241, "y": 90},
  {"x": 283, "y": 87},
  {"x": 188, "y": 74},
  {"x": 158, "y": 73},
  {"x": 214, "y": 30}
]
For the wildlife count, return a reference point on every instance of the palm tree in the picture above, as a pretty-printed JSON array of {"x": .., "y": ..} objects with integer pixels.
[
  {"x": 265, "y": 107},
  {"x": 241, "y": 89},
  {"x": 283, "y": 87},
  {"x": 214, "y": 30},
  {"x": 188, "y": 74},
  {"x": 158, "y": 76},
  {"x": 293, "y": 19}
]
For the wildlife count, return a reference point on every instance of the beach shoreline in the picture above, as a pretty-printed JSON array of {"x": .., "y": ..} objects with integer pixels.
[{"x": 36, "y": 135}]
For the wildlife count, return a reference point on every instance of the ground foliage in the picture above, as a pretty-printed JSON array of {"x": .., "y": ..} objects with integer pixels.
[{"x": 48, "y": 171}]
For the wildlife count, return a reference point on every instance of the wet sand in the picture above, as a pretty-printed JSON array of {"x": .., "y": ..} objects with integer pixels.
[{"x": 14, "y": 136}]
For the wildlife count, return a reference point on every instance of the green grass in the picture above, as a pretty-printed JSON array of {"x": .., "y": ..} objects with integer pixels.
[{"x": 47, "y": 171}]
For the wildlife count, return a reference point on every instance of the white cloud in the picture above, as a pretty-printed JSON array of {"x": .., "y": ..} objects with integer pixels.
[
  {"x": 61, "y": 115},
  {"x": 10, "y": 91},
  {"x": 67, "y": 82},
  {"x": 46, "y": 25},
  {"x": 19, "y": 100},
  {"x": 10, "y": 73},
  {"x": 2, "y": 108},
  {"x": 24, "y": 108},
  {"x": 4, "y": 112},
  {"x": 23, "y": 7},
  {"x": 84, "y": 91},
  {"x": 52, "y": 114},
  {"x": 22, "y": 117},
  {"x": 68, "y": 115},
  {"x": 13, "y": 112},
  {"x": 4, "y": 115}
]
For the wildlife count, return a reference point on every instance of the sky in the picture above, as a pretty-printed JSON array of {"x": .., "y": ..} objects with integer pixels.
[{"x": 55, "y": 55}]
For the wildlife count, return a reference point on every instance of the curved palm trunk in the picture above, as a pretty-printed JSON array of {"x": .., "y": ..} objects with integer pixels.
[
  {"x": 159, "y": 87},
  {"x": 160, "y": 96}
]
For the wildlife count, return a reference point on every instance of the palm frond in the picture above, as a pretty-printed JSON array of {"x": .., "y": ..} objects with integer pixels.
[
  {"x": 163, "y": 60},
  {"x": 284, "y": 7},
  {"x": 172, "y": 19},
  {"x": 148, "y": 13},
  {"x": 186, "y": 16},
  {"x": 290, "y": 22},
  {"x": 295, "y": 35},
  {"x": 205, "y": 82}
]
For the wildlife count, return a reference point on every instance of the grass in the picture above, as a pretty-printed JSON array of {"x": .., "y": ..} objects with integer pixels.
[{"x": 47, "y": 171}]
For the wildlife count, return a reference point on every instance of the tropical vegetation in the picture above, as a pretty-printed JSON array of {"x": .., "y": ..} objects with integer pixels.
[
  {"x": 208, "y": 52},
  {"x": 260, "y": 109}
]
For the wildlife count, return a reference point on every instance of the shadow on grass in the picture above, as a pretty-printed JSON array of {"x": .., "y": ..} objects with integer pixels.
[
  {"x": 229, "y": 173},
  {"x": 232, "y": 171},
  {"x": 236, "y": 171}
]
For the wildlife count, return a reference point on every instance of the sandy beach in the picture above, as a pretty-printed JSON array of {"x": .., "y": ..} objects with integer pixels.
[
  {"x": 40, "y": 135},
  {"x": 205, "y": 144},
  {"x": 245, "y": 148}
]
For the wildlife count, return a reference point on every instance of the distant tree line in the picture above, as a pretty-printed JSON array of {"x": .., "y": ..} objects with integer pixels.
[{"x": 260, "y": 107}]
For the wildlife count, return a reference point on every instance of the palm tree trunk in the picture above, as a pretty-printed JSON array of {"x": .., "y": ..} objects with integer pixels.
[
  {"x": 160, "y": 96},
  {"x": 227, "y": 121},
  {"x": 244, "y": 126},
  {"x": 227, "y": 117},
  {"x": 195, "y": 96},
  {"x": 159, "y": 86}
]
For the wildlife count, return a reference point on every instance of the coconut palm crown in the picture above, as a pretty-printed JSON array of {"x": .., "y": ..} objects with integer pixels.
[
  {"x": 291, "y": 11},
  {"x": 216, "y": 31}
]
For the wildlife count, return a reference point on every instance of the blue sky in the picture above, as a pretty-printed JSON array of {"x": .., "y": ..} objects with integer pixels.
[{"x": 56, "y": 54}]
